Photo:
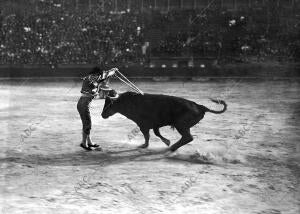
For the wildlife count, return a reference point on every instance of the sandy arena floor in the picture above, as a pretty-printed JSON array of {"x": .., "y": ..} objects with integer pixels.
[{"x": 246, "y": 160}]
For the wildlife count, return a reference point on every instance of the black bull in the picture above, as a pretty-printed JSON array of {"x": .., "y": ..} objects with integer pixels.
[{"x": 152, "y": 111}]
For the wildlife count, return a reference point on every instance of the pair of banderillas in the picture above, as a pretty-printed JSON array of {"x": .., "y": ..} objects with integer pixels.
[{"x": 124, "y": 79}]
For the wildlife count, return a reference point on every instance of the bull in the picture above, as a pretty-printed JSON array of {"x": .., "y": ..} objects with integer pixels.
[{"x": 153, "y": 111}]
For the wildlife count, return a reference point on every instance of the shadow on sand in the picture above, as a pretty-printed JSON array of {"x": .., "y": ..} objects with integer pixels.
[{"x": 98, "y": 158}]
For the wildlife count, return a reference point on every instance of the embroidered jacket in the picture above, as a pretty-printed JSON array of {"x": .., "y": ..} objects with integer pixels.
[{"x": 91, "y": 84}]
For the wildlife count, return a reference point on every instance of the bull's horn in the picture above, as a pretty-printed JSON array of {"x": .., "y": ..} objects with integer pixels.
[{"x": 114, "y": 98}]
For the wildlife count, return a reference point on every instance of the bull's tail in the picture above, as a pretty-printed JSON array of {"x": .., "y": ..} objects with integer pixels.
[{"x": 218, "y": 102}]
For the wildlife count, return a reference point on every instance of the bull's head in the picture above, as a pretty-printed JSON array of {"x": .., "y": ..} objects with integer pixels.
[{"x": 109, "y": 108}]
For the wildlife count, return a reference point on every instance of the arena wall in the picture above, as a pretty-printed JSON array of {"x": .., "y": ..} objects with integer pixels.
[{"x": 230, "y": 70}]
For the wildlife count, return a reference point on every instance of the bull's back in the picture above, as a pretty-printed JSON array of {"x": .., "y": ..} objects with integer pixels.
[
  {"x": 169, "y": 103},
  {"x": 161, "y": 110}
]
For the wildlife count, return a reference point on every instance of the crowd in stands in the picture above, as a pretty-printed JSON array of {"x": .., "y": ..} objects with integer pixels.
[
  {"x": 58, "y": 36},
  {"x": 69, "y": 38}
]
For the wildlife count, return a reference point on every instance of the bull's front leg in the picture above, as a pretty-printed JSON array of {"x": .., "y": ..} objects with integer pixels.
[{"x": 146, "y": 136}]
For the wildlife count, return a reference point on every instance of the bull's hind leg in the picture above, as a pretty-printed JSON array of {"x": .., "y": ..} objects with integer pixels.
[
  {"x": 185, "y": 139},
  {"x": 183, "y": 125},
  {"x": 157, "y": 133},
  {"x": 146, "y": 136}
]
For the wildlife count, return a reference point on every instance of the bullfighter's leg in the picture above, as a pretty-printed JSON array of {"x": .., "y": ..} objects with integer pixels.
[
  {"x": 146, "y": 136},
  {"x": 186, "y": 138},
  {"x": 84, "y": 112},
  {"x": 157, "y": 133},
  {"x": 84, "y": 139}
]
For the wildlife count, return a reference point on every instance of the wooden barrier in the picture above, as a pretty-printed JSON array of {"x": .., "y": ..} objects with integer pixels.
[{"x": 233, "y": 70}]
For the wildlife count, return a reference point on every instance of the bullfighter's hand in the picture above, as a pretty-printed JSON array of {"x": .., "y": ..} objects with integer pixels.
[{"x": 110, "y": 72}]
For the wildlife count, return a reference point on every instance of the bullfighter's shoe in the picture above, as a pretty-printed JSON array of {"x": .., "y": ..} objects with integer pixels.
[
  {"x": 85, "y": 147},
  {"x": 90, "y": 142},
  {"x": 93, "y": 145}
]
